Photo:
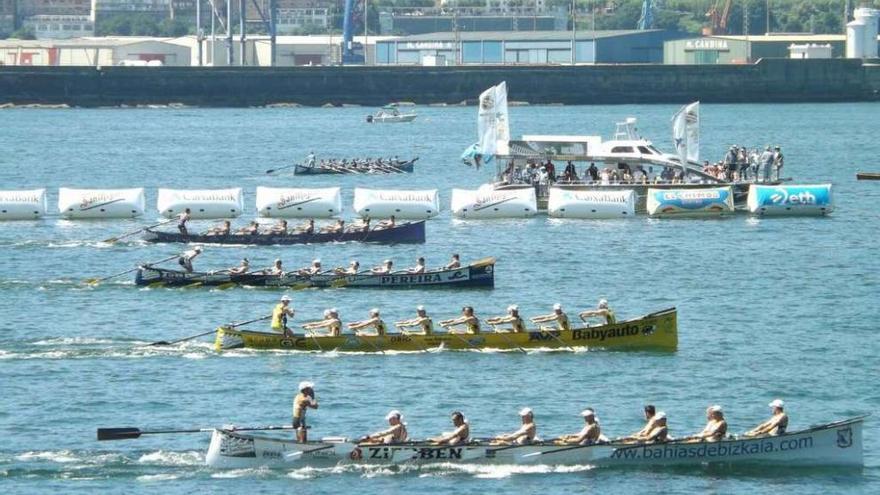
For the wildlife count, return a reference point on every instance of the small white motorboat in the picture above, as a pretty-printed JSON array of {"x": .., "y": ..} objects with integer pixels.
[{"x": 390, "y": 114}]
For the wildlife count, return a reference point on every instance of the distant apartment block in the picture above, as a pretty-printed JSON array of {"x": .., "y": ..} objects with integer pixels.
[
  {"x": 60, "y": 26},
  {"x": 106, "y": 8},
  {"x": 294, "y": 15}
]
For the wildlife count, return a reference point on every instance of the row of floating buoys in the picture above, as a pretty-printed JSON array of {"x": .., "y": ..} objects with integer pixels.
[
  {"x": 483, "y": 203},
  {"x": 219, "y": 203}
]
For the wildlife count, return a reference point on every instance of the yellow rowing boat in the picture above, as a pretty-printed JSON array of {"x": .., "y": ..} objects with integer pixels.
[{"x": 657, "y": 331}]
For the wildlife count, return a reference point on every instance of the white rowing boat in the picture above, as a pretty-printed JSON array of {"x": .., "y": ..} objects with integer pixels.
[{"x": 833, "y": 444}]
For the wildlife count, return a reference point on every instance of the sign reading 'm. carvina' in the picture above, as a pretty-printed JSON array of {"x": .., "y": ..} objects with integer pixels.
[
  {"x": 702, "y": 201},
  {"x": 203, "y": 203},
  {"x": 100, "y": 203},
  {"x": 564, "y": 203},
  {"x": 415, "y": 205},
  {"x": 783, "y": 200},
  {"x": 22, "y": 205},
  {"x": 298, "y": 203},
  {"x": 487, "y": 202}
]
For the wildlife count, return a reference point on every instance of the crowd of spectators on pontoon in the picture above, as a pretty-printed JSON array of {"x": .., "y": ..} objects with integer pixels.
[{"x": 739, "y": 164}]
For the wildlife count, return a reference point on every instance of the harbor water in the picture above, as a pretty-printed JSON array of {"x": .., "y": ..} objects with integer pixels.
[{"x": 768, "y": 308}]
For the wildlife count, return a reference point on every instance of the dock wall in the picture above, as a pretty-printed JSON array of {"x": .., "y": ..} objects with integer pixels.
[{"x": 768, "y": 80}]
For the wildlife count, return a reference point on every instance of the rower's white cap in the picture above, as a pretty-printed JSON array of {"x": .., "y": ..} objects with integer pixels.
[
  {"x": 278, "y": 260},
  {"x": 588, "y": 412},
  {"x": 660, "y": 415},
  {"x": 327, "y": 312},
  {"x": 603, "y": 303},
  {"x": 557, "y": 307},
  {"x": 374, "y": 311},
  {"x": 386, "y": 261},
  {"x": 306, "y": 384},
  {"x": 285, "y": 297},
  {"x": 334, "y": 311},
  {"x": 393, "y": 413},
  {"x": 197, "y": 249},
  {"x": 777, "y": 403},
  {"x": 513, "y": 307},
  {"x": 716, "y": 409},
  {"x": 316, "y": 261},
  {"x": 420, "y": 308},
  {"x": 525, "y": 411}
]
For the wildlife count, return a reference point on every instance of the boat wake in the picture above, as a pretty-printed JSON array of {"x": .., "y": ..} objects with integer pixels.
[{"x": 97, "y": 348}]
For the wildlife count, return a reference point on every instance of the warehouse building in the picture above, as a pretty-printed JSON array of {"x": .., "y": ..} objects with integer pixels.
[
  {"x": 94, "y": 52},
  {"x": 745, "y": 49},
  {"x": 524, "y": 48}
]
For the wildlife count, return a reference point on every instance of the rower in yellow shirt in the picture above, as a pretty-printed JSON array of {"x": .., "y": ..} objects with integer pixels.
[
  {"x": 602, "y": 310},
  {"x": 513, "y": 318}
]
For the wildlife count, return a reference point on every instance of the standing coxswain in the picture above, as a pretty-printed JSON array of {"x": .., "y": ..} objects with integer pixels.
[
  {"x": 395, "y": 433},
  {"x": 461, "y": 434},
  {"x": 331, "y": 322},
  {"x": 471, "y": 322},
  {"x": 182, "y": 218},
  {"x": 516, "y": 322},
  {"x": 304, "y": 400},
  {"x": 421, "y": 320},
  {"x": 525, "y": 434},
  {"x": 186, "y": 258},
  {"x": 558, "y": 316},
  {"x": 279, "y": 315},
  {"x": 375, "y": 321}
]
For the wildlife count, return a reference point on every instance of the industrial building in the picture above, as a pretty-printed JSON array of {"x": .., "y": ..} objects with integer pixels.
[
  {"x": 745, "y": 49},
  {"x": 525, "y": 47},
  {"x": 183, "y": 51},
  {"x": 95, "y": 52}
]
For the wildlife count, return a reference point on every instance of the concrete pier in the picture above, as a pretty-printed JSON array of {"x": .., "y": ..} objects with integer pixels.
[{"x": 769, "y": 80}]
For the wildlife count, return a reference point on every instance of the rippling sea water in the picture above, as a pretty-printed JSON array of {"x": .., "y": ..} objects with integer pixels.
[{"x": 767, "y": 307}]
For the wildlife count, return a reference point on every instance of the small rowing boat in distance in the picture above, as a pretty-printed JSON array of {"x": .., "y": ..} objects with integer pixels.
[
  {"x": 391, "y": 167},
  {"x": 832, "y": 444},
  {"x": 655, "y": 331},
  {"x": 402, "y": 233},
  {"x": 868, "y": 175},
  {"x": 481, "y": 273}
]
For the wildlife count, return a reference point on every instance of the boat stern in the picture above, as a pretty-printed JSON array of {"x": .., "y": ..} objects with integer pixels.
[{"x": 226, "y": 339}]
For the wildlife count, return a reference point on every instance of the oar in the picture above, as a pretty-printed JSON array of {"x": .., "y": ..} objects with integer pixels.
[
  {"x": 93, "y": 281},
  {"x": 234, "y": 325},
  {"x": 138, "y": 231},
  {"x": 130, "y": 433},
  {"x": 404, "y": 332},
  {"x": 502, "y": 334},
  {"x": 459, "y": 337},
  {"x": 273, "y": 170},
  {"x": 549, "y": 332},
  {"x": 374, "y": 346},
  {"x": 315, "y": 340}
]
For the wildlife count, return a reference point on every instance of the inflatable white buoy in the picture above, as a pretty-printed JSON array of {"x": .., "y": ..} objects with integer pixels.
[
  {"x": 203, "y": 203},
  {"x": 567, "y": 203},
  {"x": 701, "y": 201},
  {"x": 411, "y": 205},
  {"x": 784, "y": 200},
  {"x": 487, "y": 202},
  {"x": 22, "y": 205},
  {"x": 298, "y": 203},
  {"x": 100, "y": 203}
]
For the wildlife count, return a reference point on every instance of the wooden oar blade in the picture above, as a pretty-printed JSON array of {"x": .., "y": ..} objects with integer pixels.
[{"x": 118, "y": 433}]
